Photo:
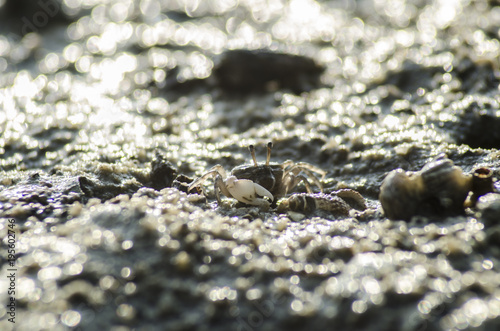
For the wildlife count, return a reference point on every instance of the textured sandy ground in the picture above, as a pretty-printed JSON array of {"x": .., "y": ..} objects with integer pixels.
[{"x": 101, "y": 89}]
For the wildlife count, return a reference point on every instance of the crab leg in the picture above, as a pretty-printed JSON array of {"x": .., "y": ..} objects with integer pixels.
[
  {"x": 214, "y": 171},
  {"x": 295, "y": 170},
  {"x": 292, "y": 181},
  {"x": 220, "y": 185},
  {"x": 306, "y": 166}
]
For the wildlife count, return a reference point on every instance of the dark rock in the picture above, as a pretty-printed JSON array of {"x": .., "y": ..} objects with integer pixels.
[
  {"x": 478, "y": 127},
  {"x": 248, "y": 71},
  {"x": 104, "y": 190},
  {"x": 162, "y": 172}
]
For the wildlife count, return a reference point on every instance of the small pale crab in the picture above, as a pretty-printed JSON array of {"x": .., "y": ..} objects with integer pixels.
[{"x": 253, "y": 183}]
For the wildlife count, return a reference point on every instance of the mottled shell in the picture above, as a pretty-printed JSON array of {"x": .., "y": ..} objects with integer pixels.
[
  {"x": 400, "y": 194},
  {"x": 440, "y": 188},
  {"x": 308, "y": 202},
  {"x": 445, "y": 186},
  {"x": 337, "y": 203}
]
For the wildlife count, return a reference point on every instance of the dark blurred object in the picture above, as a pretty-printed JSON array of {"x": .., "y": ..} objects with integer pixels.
[
  {"x": 478, "y": 126},
  {"x": 162, "y": 172},
  {"x": 476, "y": 77},
  {"x": 20, "y": 17},
  {"x": 104, "y": 189},
  {"x": 248, "y": 71},
  {"x": 413, "y": 76}
]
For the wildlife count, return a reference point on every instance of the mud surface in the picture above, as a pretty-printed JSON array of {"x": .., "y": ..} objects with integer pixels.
[{"x": 108, "y": 110}]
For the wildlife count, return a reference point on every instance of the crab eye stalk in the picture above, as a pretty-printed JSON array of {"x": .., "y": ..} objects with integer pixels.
[
  {"x": 252, "y": 151},
  {"x": 269, "y": 147}
]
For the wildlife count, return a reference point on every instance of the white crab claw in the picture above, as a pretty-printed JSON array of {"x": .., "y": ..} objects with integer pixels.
[{"x": 246, "y": 191}]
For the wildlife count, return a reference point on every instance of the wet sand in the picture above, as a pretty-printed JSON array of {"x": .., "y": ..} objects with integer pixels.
[{"x": 98, "y": 91}]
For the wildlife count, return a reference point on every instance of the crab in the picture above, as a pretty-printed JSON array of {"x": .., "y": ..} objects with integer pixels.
[{"x": 261, "y": 184}]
